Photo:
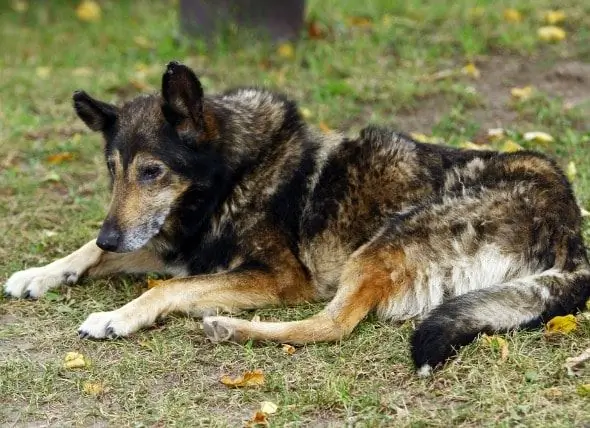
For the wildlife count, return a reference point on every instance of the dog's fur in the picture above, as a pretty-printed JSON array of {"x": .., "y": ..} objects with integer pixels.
[{"x": 248, "y": 207}]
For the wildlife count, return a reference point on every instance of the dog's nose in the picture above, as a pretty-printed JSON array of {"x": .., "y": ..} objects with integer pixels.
[{"x": 109, "y": 236}]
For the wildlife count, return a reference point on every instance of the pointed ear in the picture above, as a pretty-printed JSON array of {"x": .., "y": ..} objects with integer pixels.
[
  {"x": 97, "y": 115},
  {"x": 183, "y": 96}
]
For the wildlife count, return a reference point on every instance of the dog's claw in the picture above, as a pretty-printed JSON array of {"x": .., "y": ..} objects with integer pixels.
[
  {"x": 27, "y": 294},
  {"x": 82, "y": 334}
]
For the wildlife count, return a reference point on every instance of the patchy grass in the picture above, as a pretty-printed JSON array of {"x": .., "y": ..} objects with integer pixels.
[{"x": 399, "y": 67}]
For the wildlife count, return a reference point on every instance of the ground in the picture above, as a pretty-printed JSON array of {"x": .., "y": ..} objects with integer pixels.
[{"x": 377, "y": 61}]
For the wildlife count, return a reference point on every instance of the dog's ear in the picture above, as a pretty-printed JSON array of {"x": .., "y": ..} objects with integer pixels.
[
  {"x": 183, "y": 98},
  {"x": 97, "y": 115}
]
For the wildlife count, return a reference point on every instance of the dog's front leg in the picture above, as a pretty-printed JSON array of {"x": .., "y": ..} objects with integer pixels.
[
  {"x": 204, "y": 295},
  {"x": 87, "y": 260}
]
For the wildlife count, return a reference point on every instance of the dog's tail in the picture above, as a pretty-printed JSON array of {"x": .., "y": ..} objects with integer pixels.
[{"x": 523, "y": 303}]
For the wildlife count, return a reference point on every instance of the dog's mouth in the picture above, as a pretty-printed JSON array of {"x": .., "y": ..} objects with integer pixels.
[{"x": 114, "y": 240}]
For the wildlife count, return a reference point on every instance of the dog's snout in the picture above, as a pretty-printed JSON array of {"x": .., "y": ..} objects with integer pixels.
[{"x": 109, "y": 236}]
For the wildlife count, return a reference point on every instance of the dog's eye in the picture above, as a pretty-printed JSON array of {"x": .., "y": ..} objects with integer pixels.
[{"x": 150, "y": 172}]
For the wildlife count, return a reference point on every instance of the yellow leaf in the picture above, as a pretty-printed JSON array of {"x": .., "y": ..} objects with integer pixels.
[
  {"x": 423, "y": 138},
  {"x": 92, "y": 388},
  {"x": 497, "y": 343},
  {"x": 471, "y": 70},
  {"x": 522, "y": 94},
  {"x": 259, "y": 419},
  {"x": 583, "y": 390},
  {"x": 255, "y": 378},
  {"x": 510, "y": 146},
  {"x": 551, "y": 33},
  {"x": 288, "y": 349},
  {"x": 88, "y": 11},
  {"x": 60, "y": 158},
  {"x": 76, "y": 138},
  {"x": 143, "y": 42},
  {"x": 553, "y": 17},
  {"x": 571, "y": 170},
  {"x": 306, "y": 113},
  {"x": 286, "y": 50},
  {"x": 585, "y": 213},
  {"x": 151, "y": 283},
  {"x": 470, "y": 145},
  {"x": 512, "y": 15},
  {"x": 496, "y": 133},
  {"x": 75, "y": 360},
  {"x": 43, "y": 72},
  {"x": 324, "y": 127},
  {"x": 561, "y": 324},
  {"x": 20, "y": 6},
  {"x": 538, "y": 137},
  {"x": 268, "y": 407}
]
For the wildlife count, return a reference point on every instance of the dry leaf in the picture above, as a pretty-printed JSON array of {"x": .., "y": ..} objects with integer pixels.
[
  {"x": 551, "y": 33},
  {"x": 92, "y": 388},
  {"x": 20, "y": 6},
  {"x": 423, "y": 138},
  {"x": 496, "y": 133},
  {"x": 471, "y": 70},
  {"x": 571, "y": 171},
  {"x": 151, "y": 283},
  {"x": 561, "y": 325},
  {"x": 286, "y": 50},
  {"x": 512, "y": 15},
  {"x": 255, "y": 378},
  {"x": 75, "y": 360},
  {"x": 306, "y": 113},
  {"x": 359, "y": 21},
  {"x": 497, "y": 343},
  {"x": 470, "y": 145},
  {"x": 510, "y": 146},
  {"x": 553, "y": 17},
  {"x": 324, "y": 127},
  {"x": 538, "y": 137},
  {"x": 60, "y": 158},
  {"x": 43, "y": 72},
  {"x": 575, "y": 365},
  {"x": 522, "y": 94},
  {"x": 314, "y": 30},
  {"x": 288, "y": 349},
  {"x": 553, "y": 392},
  {"x": 585, "y": 213},
  {"x": 88, "y": 11},
  {"x": 259, "y": 419},
  {"x": 268, "y": 407}
]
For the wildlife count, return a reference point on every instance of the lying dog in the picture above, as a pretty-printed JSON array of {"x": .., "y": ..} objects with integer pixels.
[{"x": 248, "y": 207}]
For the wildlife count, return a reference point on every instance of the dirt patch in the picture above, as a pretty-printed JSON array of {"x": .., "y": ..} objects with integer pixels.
[{"x": 568, "y": 81}]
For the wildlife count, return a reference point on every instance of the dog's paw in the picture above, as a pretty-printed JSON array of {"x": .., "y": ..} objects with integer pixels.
[
  {"x": 106, "y": 325},
  {"x": 35, "y": 282},
  {"x": 223, "y": 329}
]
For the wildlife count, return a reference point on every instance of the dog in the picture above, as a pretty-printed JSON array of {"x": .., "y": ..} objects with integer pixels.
[{"x": 245, "y": 206}]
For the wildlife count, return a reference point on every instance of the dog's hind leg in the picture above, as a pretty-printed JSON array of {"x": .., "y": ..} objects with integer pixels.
[
  {"x": 369, "y": 278},
  {"x": 88, "y": 260}
]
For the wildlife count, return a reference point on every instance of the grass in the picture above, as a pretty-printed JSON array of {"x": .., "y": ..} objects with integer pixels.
[{"x": 399, "y": 68}]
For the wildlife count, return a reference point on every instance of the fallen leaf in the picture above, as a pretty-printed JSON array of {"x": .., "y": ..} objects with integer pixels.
[
  {"x": 306, "y": 113},
  {"x": 576, "y": 365},
  {"x": 259, "y": 419},
  {"x": 288, "y": 349},
  {"x": 571, "y": 171},
  {"x": 583, "y": 390},
  {"x": 470, "y": 145},
  {"x": 59, "y": 158},
  {"x": 43, "y": 72},
  {"x": 522, "y": 94},
  {"x": 471, "y": 70},
  {"x": 286, "y": 50},
  {"x": 143, "y": 42},
  {"x": 52, "y": 177},
  {"x": 538, "y": 137},
  {"x": 585, "y": 213},
  {"x": 92, "y": 388},
  {"x": 561, "y": 325},
  {"x": 324, "y": 127},
  {"x": 359, "y": 21},
  {"x": 553, "y": 17},
  {"x": 75, "y": 360},
  {"x": 315, "y": 31},
  {"x": 151, "y": 283},
  {"x": 553, "y": 392},
  {"x": 268, "y": 407},
  {"x": 510, "y": 146},
  {"x": 255, "y": 378},
  {"x": 551, "y": 33},
  {"x": 497, "y": 343},
  {"x": 88, "y": 11},
  {"x": 423, "y": 138},
  {"x": 496, "y": 133},
  {"x": 512, "y": 15},
  {"x": 20, "y": 6}
]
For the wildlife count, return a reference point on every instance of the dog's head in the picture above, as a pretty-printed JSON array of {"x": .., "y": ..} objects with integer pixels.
[{"x": 157, "y": 148}]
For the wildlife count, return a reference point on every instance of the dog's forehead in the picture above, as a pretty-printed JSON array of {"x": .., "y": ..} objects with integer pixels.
[{"x": 142, "y": 112}]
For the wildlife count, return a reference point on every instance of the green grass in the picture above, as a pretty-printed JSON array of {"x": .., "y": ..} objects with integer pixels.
[{"x": 402, "y": 70}]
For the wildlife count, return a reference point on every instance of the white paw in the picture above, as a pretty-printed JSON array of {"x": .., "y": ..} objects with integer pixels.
[
  {"x": 34, "y": 282},
  {"x": 102, "y": 325}
]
